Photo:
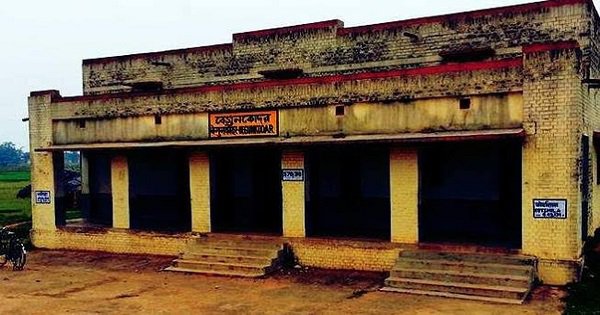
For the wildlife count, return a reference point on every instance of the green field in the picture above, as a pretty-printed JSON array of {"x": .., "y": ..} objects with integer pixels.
[
  {"x": 12, "y": 209},
  {"x": 14, "y": 176}
]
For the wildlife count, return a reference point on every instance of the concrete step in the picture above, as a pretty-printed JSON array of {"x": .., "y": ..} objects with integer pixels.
[
  {"x": 454, "y": 276},
  {"x": 502, "y": 292},
  {"x": 237, "y": 256},
  {"x": 217, "y": 272},
  {"x": 233, "y": 259},
  {"x": 217, "y": 266},
  {"x": 236, "y": 243},
  {"x": 464, "y": 266},
  {"x": 233, "y": 251},
  {"x": 454, "y": 295},
  {"x": 469, "y": 257}
]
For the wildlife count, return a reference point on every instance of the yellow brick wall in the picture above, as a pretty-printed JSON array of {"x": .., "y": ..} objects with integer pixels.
[
  {"x": 42, "y": 163},
  {"x": 42, "y": 179},
  {"x": 404, "y": 195},
  {"x": 200, "y": 191},
  {"x": 330, "y": 254},
  {"x": 119, "y": 172},
  {"x": 338, "y": 254},
  {"x": 114, "y": 241},
  {"x": 558, "y": 272},
  {"x": 550, "y": 158},
  {"x": 293, "y": 196}
]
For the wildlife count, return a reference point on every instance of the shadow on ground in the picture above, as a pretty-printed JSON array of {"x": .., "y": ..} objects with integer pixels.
[{"x": 584, "y": 297}]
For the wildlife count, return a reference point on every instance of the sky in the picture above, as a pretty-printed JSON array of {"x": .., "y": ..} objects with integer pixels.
[{"x": 43, "y": 42}]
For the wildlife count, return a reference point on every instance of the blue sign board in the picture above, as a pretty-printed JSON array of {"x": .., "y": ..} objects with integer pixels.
[
  {"x": 550, "y": 208},
  {"x": 42, "y": 197}
]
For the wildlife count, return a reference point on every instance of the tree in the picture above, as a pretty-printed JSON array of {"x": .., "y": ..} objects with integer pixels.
[
  {"x": 72, "y": 160},
  {"x": 11, "y": 156}
]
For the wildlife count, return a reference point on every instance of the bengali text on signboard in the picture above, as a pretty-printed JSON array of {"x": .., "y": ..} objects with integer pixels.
[
  {"x": 42, "y": 197},
  {"x": 550, "y": 208},
  {"x": 243, "y": 124}
]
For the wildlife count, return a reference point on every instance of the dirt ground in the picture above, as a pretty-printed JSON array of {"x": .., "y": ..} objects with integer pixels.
[{"x": 91, "y": 283}]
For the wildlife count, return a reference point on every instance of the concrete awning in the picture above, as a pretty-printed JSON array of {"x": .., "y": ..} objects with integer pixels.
[{"x": 446, "y": 136}]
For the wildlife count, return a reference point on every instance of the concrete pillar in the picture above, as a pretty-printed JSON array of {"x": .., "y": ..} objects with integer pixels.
[
  {"x": 85, "y": 173},
  {"x": 404, "y": 195},
  {"x": 119, "y": 171},
  {"x": 293, "y": 196},
  {"x": 42, "y": 163},
  {"x": 60, "y": 207},
  {"x": 85, "y": 186},
  {"x": 200, "y": 191}
]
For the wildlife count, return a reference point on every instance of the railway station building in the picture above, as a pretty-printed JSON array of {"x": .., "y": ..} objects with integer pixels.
[{"x": 474, "y": 130}]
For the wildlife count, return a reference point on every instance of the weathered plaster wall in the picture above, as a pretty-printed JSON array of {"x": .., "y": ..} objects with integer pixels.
[
  {"x": 142, "y": 128},
  {"x": 437, "y": 114}
]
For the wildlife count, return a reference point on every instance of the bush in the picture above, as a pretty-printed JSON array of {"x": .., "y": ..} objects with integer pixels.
[{"x": 584, "y": 296}]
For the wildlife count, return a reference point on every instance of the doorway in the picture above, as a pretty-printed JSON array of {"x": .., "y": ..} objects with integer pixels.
[
  {"x": 246, "y": 190},
  {"x": 99, "y": 200},
  {"x": 159, "y": 194},
  {"x": 348, "y": 192},
  {"x": 471, "y": 193}
]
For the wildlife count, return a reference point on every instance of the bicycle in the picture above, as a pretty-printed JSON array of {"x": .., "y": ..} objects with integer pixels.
[{"x": 11, "y": 248}]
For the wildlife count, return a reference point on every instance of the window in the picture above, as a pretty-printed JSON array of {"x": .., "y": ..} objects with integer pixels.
[{"x": 464, "y": 103}]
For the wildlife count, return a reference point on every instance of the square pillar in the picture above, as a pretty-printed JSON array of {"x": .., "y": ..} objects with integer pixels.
[
  {"x": 199, "y": 165},
  {"x": 552, "y": 111},
  {"x": 404, "y": 195},
  {"x": 60, "y": 209},
  {"x": 43, "y": 175},
  {"x": 43, "y": 172},
  {"x": 85, "y": 186},
  {"x": 293, "y": 196},
  {"x": 119, "y": 171}
]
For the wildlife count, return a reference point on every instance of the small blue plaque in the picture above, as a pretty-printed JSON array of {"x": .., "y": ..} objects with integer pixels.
[
  {"x": 42, "y": 197},
  {"x": 292, "y": 175},
  {"x": 550, "y": 208}
]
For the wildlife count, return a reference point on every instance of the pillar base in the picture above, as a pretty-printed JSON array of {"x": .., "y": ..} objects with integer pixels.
[{"x": 558, "y": 272}]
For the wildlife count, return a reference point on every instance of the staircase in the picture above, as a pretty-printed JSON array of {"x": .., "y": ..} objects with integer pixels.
[
  {"x": 475, "y": 276},
  {"x": 235, "y": 256}
]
